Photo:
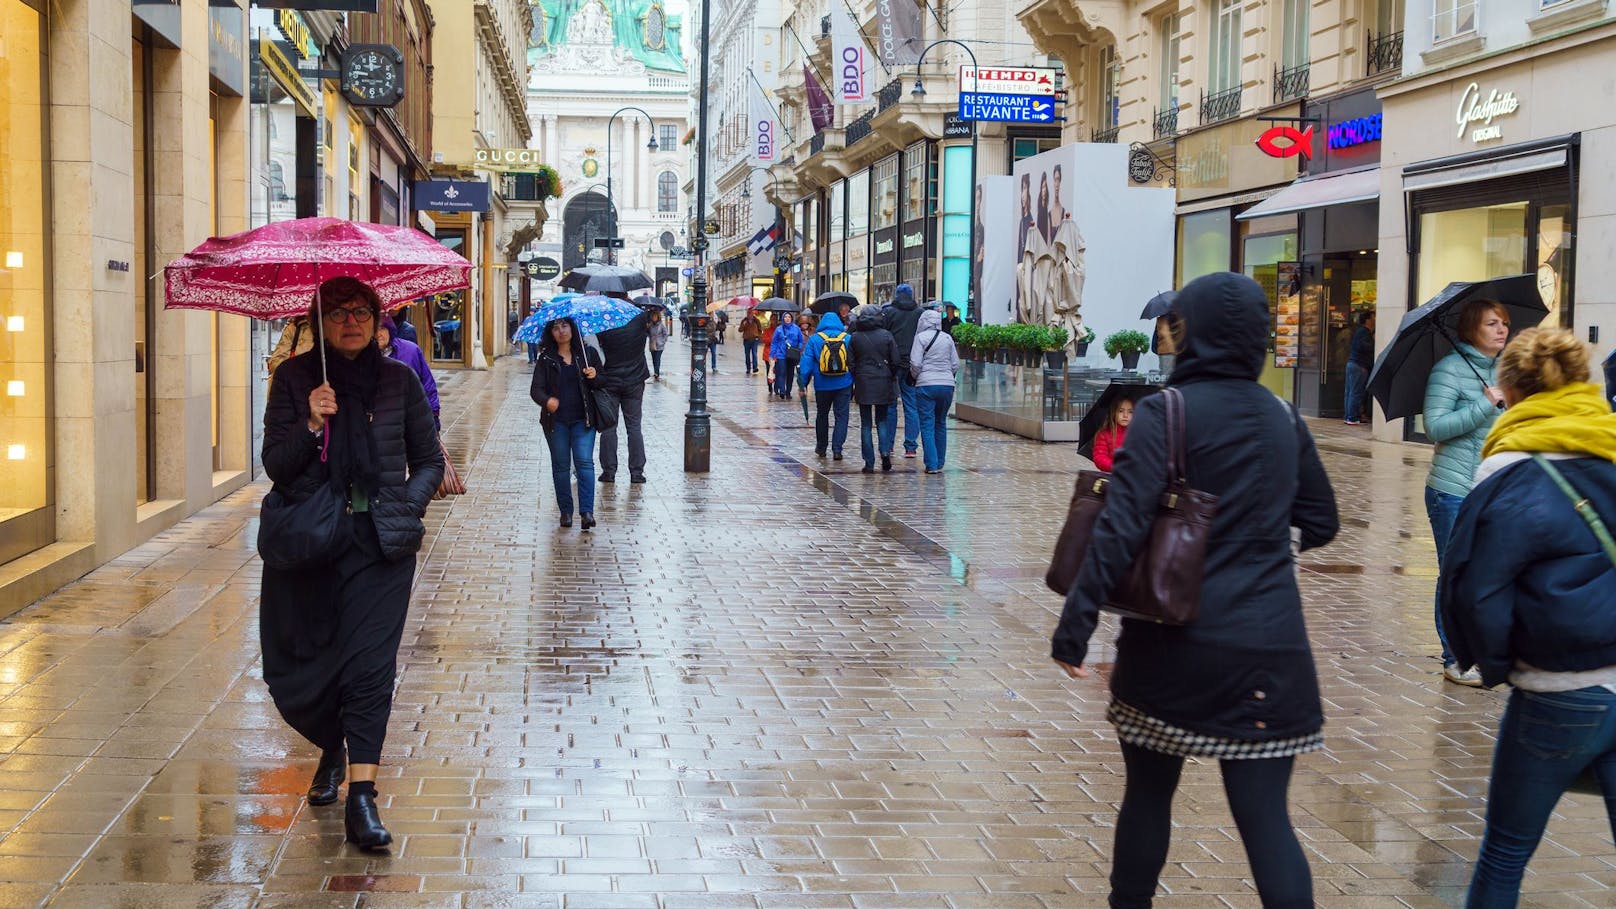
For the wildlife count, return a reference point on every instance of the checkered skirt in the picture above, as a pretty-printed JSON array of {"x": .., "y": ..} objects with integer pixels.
[{"x": 1142, "y": 730}]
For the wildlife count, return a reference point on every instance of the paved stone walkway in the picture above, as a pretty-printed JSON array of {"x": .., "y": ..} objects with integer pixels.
[{"x": 784, "y": 684}]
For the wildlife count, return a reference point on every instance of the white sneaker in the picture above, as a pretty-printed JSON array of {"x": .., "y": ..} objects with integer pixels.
[{"x": 1470, "y": 677}]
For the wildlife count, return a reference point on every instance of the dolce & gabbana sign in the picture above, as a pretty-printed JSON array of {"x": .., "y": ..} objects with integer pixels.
[{"x": 1476, "y": 108}]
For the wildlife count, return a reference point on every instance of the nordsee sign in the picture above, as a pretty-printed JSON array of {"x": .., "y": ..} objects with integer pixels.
[
  {"x": 1473, "y": 109},
  {"x": 998, "y": 108},
  {"x": 1352, "y": 133}
]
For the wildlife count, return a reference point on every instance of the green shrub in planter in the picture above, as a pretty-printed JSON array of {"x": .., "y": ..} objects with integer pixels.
[{"x": 1126, "y": 341}]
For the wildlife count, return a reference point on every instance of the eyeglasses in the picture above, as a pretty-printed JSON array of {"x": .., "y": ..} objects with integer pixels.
[{"x": 342, "y": 314}]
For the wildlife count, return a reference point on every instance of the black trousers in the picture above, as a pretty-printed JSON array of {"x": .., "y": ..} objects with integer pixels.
[
  {"x": 1257, "y": 792},
  {"x": 631, "y": 406},
  {"x": 330, "y": 641}
]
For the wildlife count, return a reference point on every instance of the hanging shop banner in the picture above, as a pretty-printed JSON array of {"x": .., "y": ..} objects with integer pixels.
[
  {"x": 297, "y": 33},
  {"x": 849, "y": 55},
  {"x": 898, "y": 28},
  {"x": 285, "y": 73},
  {"x": 1007, "y": 80},
  {"x": 1287, "y": 314},
  {"x": 821, "y": 109},
  {"x": 452, "y": 195},
  {"x": 763, "y": 128}
]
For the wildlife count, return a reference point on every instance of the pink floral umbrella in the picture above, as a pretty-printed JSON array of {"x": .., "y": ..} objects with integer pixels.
[{"x": 271, "y": 272}]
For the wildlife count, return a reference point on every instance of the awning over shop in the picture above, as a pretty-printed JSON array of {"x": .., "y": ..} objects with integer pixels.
[
  {"x": 1492, "y": 169},
  {"x": 1319, "y": 192}
]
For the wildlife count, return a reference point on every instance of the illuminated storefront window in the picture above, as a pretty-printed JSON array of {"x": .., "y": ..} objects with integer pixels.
[{"x": 25, "y": 455}]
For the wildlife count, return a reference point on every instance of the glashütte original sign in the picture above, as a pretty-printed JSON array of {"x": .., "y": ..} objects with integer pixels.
[{"x": 1475, "y": 108}]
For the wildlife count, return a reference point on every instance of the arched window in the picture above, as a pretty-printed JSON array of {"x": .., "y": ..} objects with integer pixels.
[{"x": 667, "y": 191}]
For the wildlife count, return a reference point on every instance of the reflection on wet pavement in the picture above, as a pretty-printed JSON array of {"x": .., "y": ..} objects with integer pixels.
[{"x": 784, "y": 684}]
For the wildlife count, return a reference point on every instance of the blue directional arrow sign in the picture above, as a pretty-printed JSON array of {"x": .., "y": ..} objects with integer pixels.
[{"x": 999, "y": 108}]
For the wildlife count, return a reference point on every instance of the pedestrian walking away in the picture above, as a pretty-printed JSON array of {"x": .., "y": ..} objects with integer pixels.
[
  {"x": 902, "y": 317},
  {"x": 751, "y": 334},
  {"x": 786, "y": 349},
  {"x": 330, "y": 635},
  {"x": 933, "y": 360},
  {"x": 876, "y": 363},
  {"x": 297, "y": 337},
  {"x": 1528, "y": 597},
  {"x": 1360, "y": 360},
  {"x": 563, "y": 386},
  {"x": 624, "y": 377},
  {"x": 1238, "y": 684},
  {"x": 826, "y": 365},
  {"x": 657, "y": 338},
  {"x": 1461, "y": 403}
]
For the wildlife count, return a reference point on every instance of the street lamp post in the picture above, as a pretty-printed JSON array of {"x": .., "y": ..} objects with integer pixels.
[
  {"x": 774, "y": 187},
  {"x": 698, "y": 423},
  {"x": 611, "y": 252},
  {"x": 919, "y": 91}
]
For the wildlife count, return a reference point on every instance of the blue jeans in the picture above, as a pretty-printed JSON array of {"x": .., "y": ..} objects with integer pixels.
[
  {"x": 1442, "y": 508},
  {"x": 785, "y": 373},
  {"x": 933, "y": 402},
  {"x": 751, "y": 355},
  {"x": 874, "y": 416},
  {"x": 911, "y": 414},
  {"x": 1545, "y": 741},
  {"x": 840, "y": 401},
  {"x": 656, "y": 363},
  {"x": 572, "y": 448},
  {"x": 1357, "y": 385},
  {"x": 712, "y": 349},
  {"x": 532, "y": 353}
]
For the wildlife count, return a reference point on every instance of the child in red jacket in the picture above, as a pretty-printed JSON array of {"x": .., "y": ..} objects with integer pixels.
[{"x": 1109, "y": 439}]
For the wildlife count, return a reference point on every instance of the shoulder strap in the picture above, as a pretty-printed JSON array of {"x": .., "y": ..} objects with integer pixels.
[
  {"x": 1581, "y": 504},
  {"x": 297, "y": 335},
  {"x": 934, "y": 336},
  {"x": 1176, "y": 458}
]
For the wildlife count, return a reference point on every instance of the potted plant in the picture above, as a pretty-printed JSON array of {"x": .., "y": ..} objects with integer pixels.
[
  {"x": 967, "y": 337},
  {"x": 1129, "y": 344},
  {"x": 1084, "y": 337},
  {"x": 1054, "y": 346}
]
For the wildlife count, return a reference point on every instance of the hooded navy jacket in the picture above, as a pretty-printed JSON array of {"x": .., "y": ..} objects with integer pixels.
[{"x": 1244, "y": 669}]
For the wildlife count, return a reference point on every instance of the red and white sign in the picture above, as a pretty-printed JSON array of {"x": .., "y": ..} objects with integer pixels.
[
  {"x": 1014, "y": 80},
  {"x": 1286, "y": 142}
]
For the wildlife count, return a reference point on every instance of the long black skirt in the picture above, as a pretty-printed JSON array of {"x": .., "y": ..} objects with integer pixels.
[{"x": 330, "y": 639}]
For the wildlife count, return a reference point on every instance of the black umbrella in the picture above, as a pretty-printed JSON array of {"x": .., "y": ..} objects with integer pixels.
[
  {"x": 1159, "y": 305},
  {"x": 777, "y": 304},
  {"x": 603, "y": 279},
  {"x": 831, "y": 300},
  {"x": 1100, "y": 411},
  {"x": 1431, "y": 332}
]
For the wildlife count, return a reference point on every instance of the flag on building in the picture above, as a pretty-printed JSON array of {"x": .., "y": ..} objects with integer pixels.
[
  {"x": 821, "y": 110},
  {"x": 898, "y": 29},
  {"x": 850, "y": 59},
  {"x": 764, "y": 240},
  {"x": 764, "y": 129}
]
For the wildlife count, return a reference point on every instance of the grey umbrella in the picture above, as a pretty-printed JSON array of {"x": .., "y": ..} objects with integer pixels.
[
  {"x": 605, "y": 279},
  {"x": 777, "y": 304},
  {"x": 1159, "y": 305}
]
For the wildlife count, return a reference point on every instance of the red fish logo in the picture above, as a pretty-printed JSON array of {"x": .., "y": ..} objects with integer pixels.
[{"x": 1298, "y": 142}]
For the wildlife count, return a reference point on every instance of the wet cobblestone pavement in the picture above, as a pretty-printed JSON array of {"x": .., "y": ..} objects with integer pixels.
[{"x": 784, "y": 684}]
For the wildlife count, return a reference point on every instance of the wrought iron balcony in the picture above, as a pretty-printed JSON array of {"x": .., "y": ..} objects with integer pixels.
[
  {"x": 1220, "y": 106},
  {"x": 859, "y": 128},
  {"x": 1292, "y": 83},
  {"x": 1385, "y": 53},
  {"x": 1105, "y": 134},
  {"x": 890, "y": 95},
  {"x": 824, "y": 26},
  {"x": 1166, "y": 123},
  {"x": 816, "y": 145},
  {"x": 522, "y": 188}
]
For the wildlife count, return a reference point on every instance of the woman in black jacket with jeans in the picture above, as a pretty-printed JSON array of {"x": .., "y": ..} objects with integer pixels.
[
  {"x": 330, "y": 637},
  {"x": 564, "y": 383},
  {"x": 1238, "y": 684},
  {"x": 875, "y": 360}
]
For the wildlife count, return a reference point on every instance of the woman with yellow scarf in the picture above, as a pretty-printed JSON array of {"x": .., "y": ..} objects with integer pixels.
[{"x": 1528, "y": 596}]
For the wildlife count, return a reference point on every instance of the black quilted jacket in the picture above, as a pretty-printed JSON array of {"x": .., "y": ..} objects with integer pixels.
[{"x": 406, "y": 444}]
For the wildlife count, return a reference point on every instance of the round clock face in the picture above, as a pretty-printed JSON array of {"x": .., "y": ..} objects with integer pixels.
[
  {"x": 1548, "y": 285},
  {"x": 371, "y": 77}
]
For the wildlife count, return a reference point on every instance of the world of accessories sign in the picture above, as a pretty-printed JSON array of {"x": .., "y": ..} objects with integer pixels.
[{"x": 1474, "y": 109}]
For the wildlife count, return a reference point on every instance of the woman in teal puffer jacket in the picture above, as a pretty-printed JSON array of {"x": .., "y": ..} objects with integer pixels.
[{"x": 1461, "y": 403}]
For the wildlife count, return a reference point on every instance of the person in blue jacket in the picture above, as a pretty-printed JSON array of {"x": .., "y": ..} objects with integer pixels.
[
  {"x": 827, "y": 363},
  {"x": 1461, "y": 403},
  {"x": 785, "y": 349},
  {"x": 1529, "y": 597}
]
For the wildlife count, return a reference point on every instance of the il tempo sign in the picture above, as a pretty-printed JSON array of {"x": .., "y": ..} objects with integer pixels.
[{"x": 1014, "y": 80}]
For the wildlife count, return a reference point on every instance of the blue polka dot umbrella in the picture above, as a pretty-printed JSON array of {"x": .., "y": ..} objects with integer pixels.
[{"x": 591, "y": 313}]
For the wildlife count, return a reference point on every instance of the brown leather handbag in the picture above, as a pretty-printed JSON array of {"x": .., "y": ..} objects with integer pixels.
[{"x": 1164, "y": 583}]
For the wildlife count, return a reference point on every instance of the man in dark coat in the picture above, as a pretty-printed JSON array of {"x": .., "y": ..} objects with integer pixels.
[
  {"x": 624, "y": 378},
  {"x": 875, "y": 362},
  {"x": 902, "y": 317}
]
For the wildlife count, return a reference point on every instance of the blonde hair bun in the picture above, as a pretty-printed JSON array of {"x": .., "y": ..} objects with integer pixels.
[{"x": 1542, "y": 359}]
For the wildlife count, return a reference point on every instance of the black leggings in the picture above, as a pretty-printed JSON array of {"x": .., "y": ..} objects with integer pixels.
[{"x": 1257, "y": 791}]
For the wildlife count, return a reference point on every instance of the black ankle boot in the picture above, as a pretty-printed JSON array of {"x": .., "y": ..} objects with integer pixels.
[
  {"x": 328, "y": 776},
  {"x": 363, "y": 823}
]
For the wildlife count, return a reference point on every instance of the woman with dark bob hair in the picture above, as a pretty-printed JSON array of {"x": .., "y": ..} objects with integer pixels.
[{"x": 330, "y": 635}]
